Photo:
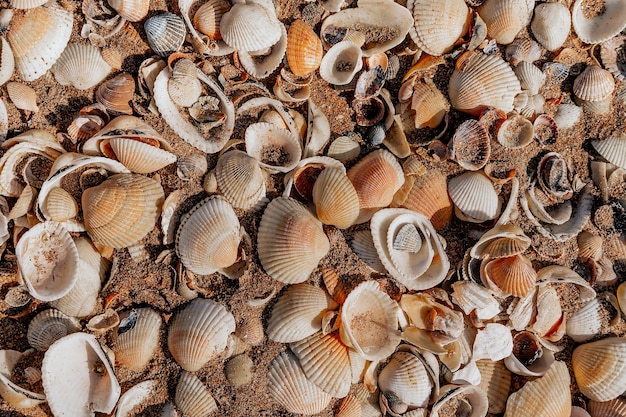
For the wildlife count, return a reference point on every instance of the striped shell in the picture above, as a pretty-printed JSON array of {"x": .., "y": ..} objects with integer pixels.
[
  {"x": 505, "y": 18},
  {"x": 261, "y": 64},
  {"x": 208, "y": 17},
  {"x": 336, "y": 201},
  {"x": 23, "y": 97},
  {"x": 495, "y": 380},
  {"x": 165, "y": 33},
  {"x": 7, "y": 61},
  {"x": 429, "y": 104},
  {"x": 304, "y": 49},
  {"x": 523, "y": 50},
  {"x": 438, "y": 25},
  {"x": 407, "y": 377},
  {"x": 137, "y": 338},
  {"x": 530, "y": 76},
  {"x": 470, "y": 146},
  {"x": 192, "y": 398},
  {"x": 501, "y": 241},
  {"x": 613, "y": 408},
  {"x": 116, "y": 94},
  {"x": 586, "y": 323},
  {"x": 240, "y": 179},
  {"x": 80, "y": 65},
  {"x": 612, "y": 149},
  {"x": 49, "y": 326},
  {"x": 341, "y": 63},
  {"x": 249, "y": 27},
  {"x": 601, "y": 26},
  {"x": 131, "y": 10},
  {"x": 594, "y": 84},
  {"x": 510, "y": 275},
  {"x": 474, "y": 197},
  {"x": 599, "y": 368},
  {"x": 551, "y": 25}
]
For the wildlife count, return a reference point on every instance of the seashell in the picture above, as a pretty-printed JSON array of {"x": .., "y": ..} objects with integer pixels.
[
  {"x": 304, "y": 49},
  {"x": 612, "y": 149},
  {"x": 49, "y": 326},
  {"x": 559, "y": 274},
  {"x": 529, "y": 357},
  {"x": 613, "y": 59},
  {"x": 546, "y": 131},
  {"x": 376, "y": 178},
  {"x": 512, "y": 275},
  {"x": 240, "y": 179},
  {"x": 480, "y": 81},
  {"x": 369, "y": 112},
  {"x": 104, "y": 322},
  {"x": 165, "y": 33},
  {"x": 599, "y": 368},
  {"x": 470, "y": 146},
  {"x": 597, "y": 26},
  {"x": 549, "y": 322},
  {"x": 363, "y": 245},
  {"x": 276, "y": 149},
  {"x": 7, "y": 61},
  {"x": 552, "y": 175},
  {"x": 553, "y": 387},
  {"x": 523, "y": 50},
  {"x": 437, "y": 26},
  {"x": 23, "y": 96},
  {"x": 289, "y": 387},
  {"x": 505, "y": 18},
  {"x": 249, "y": 27},
  {"x": 567, "y": 115},
  {"x": 239, "y": 370},
  {"x": 472, "y": 297},
  {"x": 17, "y": 297},
  {"x": 307, "y": 171},
  {"x": 262, "y": 64},
  {"x": 474, "y": 197},
  {"x": 291, "y": 242},
  {"x": 11, "y": 393},
  {"x": 140, "y": 395},
  {"x": 208, "y": 236},
  {"x": 122, "y": 210},
  {"x": 48, "y": 260},
  {"x": 341, "y": 63},
  {"x": 589, "y": 246},
  {"x": 530, "y": 76},
  {"x": 250, "y": 330},
  {"x": 350, "y": 406},
  {"x": 137, "y": 338},
  {"x": 193, "y": 166},
  {"x": 495, "y": 381},
  {"x": 80, "y": 65},
  {"x": 38, "y": 38},
  {"x": 116, "y": 93},
  {"x": 474, "y": 400},
  {"x": 192, "y": 398},
  {"x": 344, "y": 149},
  {"x": 367, "y": 306},
  {"x": 613, "y": 408},
  {"x": 324, "y": 360},
  {"x": 516, "y": 132},
  {"x": 90, "y": 121},
  {"x": 336, "y": 201},
  {"x": 199, "y": 332},
  {"x": 586, "y": 323},
  {"x": 131, "y": 10},
  {"x": 71, "y": 367},
  {"x": 594, "y": 89},
  {"x": 429, "y": 104},
  {"x": 551, "y": 25},
  {"x": 208, "y": 17},
  {"x": 501, "y": 241},
  {"x": 26, "y": 4},
  {"x": 60, "y": 205}
]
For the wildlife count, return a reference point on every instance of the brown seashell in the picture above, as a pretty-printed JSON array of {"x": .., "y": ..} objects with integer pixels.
[
  {"x": 239, "y": 370},
  {"x": 589, "y": 246},
  {"x": 553, "y": 176},
  {"x": 23, "y": 96},
  {"x": 612, "y": 408},
  {"x": 304, "y": 49},
  {"x": 208, "y": 17},
  {"x": 512, "y": 275},
  {"x": 60, "y": 205},
  {"x": 116, "y": 93},
  {"x": 192, "y": 398},
  {"x": 131, "y": 10},
  {"x": 470, "y": 146},
  {"x": 496, "y": 382},
  {"x": 545, "y": 130}
]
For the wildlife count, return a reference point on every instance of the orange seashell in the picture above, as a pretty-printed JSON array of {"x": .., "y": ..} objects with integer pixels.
[
  {"x": 512, "y": 275},
  {"x": 208, "y": 17},
  {"x": 429, "y": 104},
  {"x": 304, "y": 49}
]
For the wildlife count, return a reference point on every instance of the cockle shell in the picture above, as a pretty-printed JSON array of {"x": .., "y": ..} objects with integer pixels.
[
  {"x": 165, "y": 33},
  {"x": 341, "y": 63},
  {"x": 291, "y": 242},
  {"x": 551, "y": 24},
  {"x": 586, "y": 323},
  {"x": 23, "y": 96},
  {"x": 208, "y": 17},
  {"x": 336, "y": 201},
  {"x": 304, "y": 49},
  {"x": 480, "y": 81},
  {"x": 530, "y": 76},
  {"x": 199, "y": 332},
  {"x": 208, "y": 236},
  {"x": 505, "y": 18},
  {"x": 249, "y": 27},
  {"x": 80, "y": 65},
  {"x": 71, "y": 368},
  {"x": 261, "y": 64},
  {"x": 38, "y": 38},
  {"x": 470, "y": 146},
  {"x": 139, "y": 396},
  {"x": 594, "y": 88},
  {"x": 474, "y": 400},
  {"x": 501, "y": 241},
  {"x": 7, "y": 61},
  {"x": 192, "y": 398},
  {"x": 599, "y": 368},
  {"x": 613, "y": 57},
  {"x": 276, "y": 149},
  {"x": 122, "y": 210},
  {"x": 613, "y": 408},
  {"x": 26, "y": 4},
  {"x": 116, "y": 94},
  {"x": 523, "y": 50},
  {"x": 510, "y": 275},
  {"x": 474, "y": 197},
  {"x": 429, "y": 104},
  {"x": 612, "y": 149},
  {"x": 131, "y": 10},
  {"x": 516, "y": 132},
  {"x": 137, "y": 338},
  {"x": 49, "y": 326},
  {"x": 239, "y": 370},
  {"x": 437, "y": 26},
  {"x": 599, "y": 27},
  {"x": 567, "y": 115},
  {"x": 240, "y": 179},
  {"x": 496, "y": 382}
]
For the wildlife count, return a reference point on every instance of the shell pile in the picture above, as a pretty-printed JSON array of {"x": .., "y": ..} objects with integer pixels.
[{"x": 363, "y": 208}]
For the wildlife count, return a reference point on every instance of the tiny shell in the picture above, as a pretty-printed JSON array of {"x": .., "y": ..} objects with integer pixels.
[
  {"x": 23, "y": 96},
  {"x": 529, "y": 357},
  {"x": 239, "y": 370},
  {"x": 474, "y": 197},
  {"x": 116, "y": 94},
  {"x": 470, "y": 146},
  {"x": 137, "y": 338},
  {"x": 80, "y": 65},
  {"x": 523, "y": 50},
  {"x": 131, "y": 10},
  {"x": 601, "y": 26},
  {"x": 250, "y": 27},
  {"x": 599, "y": 368},
  {"x": 165, "y": 33},
  {"x": 304, "y": 49},
  {"x": 551, "y": 25},
  {"x": 589, "y": 246},
  {"x": 192, "y": 398},
  {"x": 49, "y": 326},
  {"x": 505, "y": 18},
  {"x": 438, "y": 25}
]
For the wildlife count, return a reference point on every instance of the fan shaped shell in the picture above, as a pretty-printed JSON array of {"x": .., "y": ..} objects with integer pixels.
[
  {"x": 165, "y": 33},
  {"x": 505, "y": 18},
  {"x": 599, "y": 368},
  {"x": 438, "y": 25},
  {"x": 612, "y": 149},
  {"x": 240, "y": 179},
  {"x": 474, "y": 197},
  {"x": 426, "y": 194},
  {"x": 551, "y": 25},
  {"x": 49, "y": 326},
  {"x": 512, "y": 275},
  {"x": 23, "y": 96},
  {"x": 192, "y": 398},
  {"x": 116, "y": 94},
  {"x": 304, "y": 49},
  {"x": 470, "y": 145},
  {"x": 137, "y": 338},
  {"x": 406, "y": 377},
  {"x": 249, "y": 27},
  {"x": 335, "y": 198},
  {"x": 131, "y": 10},
  {"x": 208, "y": 17},
  {"x": 80, "y": 65}
]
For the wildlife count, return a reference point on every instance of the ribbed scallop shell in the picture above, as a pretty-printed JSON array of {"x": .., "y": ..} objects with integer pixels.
[
  {"x": 501, "y": 241},
  {"x": 523, "y": 50},
  {"x": 261, "y": 66},
  {"x": 249, "y": 27},
  {"x": 512, "y": 275},
  {"x": 480, "y": 81},
  {"x": 81, "y": 66},
  {"x": 600, "y": 27},
  {"x": 470, "y": 146},
  {"x": 341, "y": 63},
  {"x": 349, "y": 407},
  {"x": 199, "y": 332},
  {"x": 406, "y": 377},
  {"x": 438, "y": 25},
  {"x": 7, "y": 61},
  {"x": 567, "y": 115},
  {"x": 192, "y": 398},
  {"x": 474, "y": 197},
  {"x": 208, "y": 236},
  {"x": 551, "y": 24},
  {"x": 613, "y": 408},
  {"x": 495, "y": 380},
  {"x": 208, "y": 17},
  {"x": 304, "y": 49},
  {"x": 277, "y": 149},
  {"x": 122, "y": 209},
  {"x": 291, "y": 242},
  {"x": 586, "y": 323},
  {"x": 38, "y": 38},
  {"x": 298, "y": 313},
  {"x": 344, "y": 149},
  {"x": 140, "y": 157},
  {"x": 23, "y": 96},
  {"x": 26, "y": 4},
  {"x": 335, "y": 198},
  {"x": 289, "y": 386},
  {"x": 516, "y": 132},
  {"x": 429, "y": 104},
  {"x": 49, "y": 326},
  {"x": 505, "y": 18},
  {"x": 116, "y": 93},
  {"x": 530, "y": 76},
  {"x": 612, "y": 149},
  {"x": 165, "y": 33},
  {"x": 324, "y": 360},
  {"x": 553, "y": 388},
  {"x": 137, "y": 338},
  {"x": 365, "y": 308},
  {"x": 599, "y": 368},
  {"x": 240, "y": 179},
  {"x": 589, "y": 246},
  {"x": 594, "y": 84},
  {"x": 131, "y": 10}
]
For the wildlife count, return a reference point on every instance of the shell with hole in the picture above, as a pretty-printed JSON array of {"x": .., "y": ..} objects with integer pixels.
[
  {"x": 599, "y": 368},
  {"x": 240, "y": 179},
  {"x": 438, "y": 25},
  {"x": 593, "y": 89},
  {"x": 199, "y": 332},
  {"x": 505, "y": 18},
  {"x": 81, "y": 65},
  {"x": 551, "y": 25},
  {"x": 474, "y": 197},
  {"x": 165, "y": 33},
  {"x": 137, "y": 337}
]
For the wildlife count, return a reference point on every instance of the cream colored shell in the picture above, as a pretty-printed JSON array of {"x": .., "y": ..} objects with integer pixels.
[
  {"x": 137, "y": 338},
  {"x": 80, "y": 65},
  {"x": 438, "y": 25},
  {"x": 599, "y": 368}
]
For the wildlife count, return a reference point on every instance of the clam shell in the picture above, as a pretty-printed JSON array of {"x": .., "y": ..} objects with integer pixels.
[
  {"x": 495, "y": 380},
  {"x": 589, "y": 246},
  {"x": 523, "y": 49},
  {"x": 599, "y": 368},
  {"x": 551, "y": 25},
  {"x": 341, "y": 63},
  {"x": 291, "y": 242},
  {"x": 26, "y": 4},
  {"x": 364, "y": 307},
  {"x": 192, "y": 398},
  {"x": 262, "y": 65},
  {"x": 276, "y": 149},
  {"x": 586, "y": 323},
  {"x": 208, "y": 17},
  {"x": 137, "y": 338},
  {"x": 38, "y": 38},
  {"x": 407, "y": 377},
  {"x": 350, "y": 407},
  {"x": 49, "y": 326},
  {"x": 516, "y": 132},
  {"x": 208, "y": 236},
  {"x": 239, "y": 370},
  {"x": 48, "y": 260},
  {"x": 612, "y": 149},
  {"x": 165, "y": 33},
  {"x": 336, "y": 201},
  {"x": 474, "y": 197},
  {"x": 7, "y": 61},
  {"x": 470, "y": 146},
  {"x": 613, "y": 408},
  {"x": 11, "y": 393},
  {"x": 567, "y": 115},
  {"x": 249, "y": 27},
  {"x": 199, "y": 332},
  {"x": 613, "y": 57},
  {"x": 480, "y": 81},
  {"x": 140, "y": 157},
  {"x": 594, "y": 84},
  {"x": 304, "y": 49},
  {"x": 70, "y": 370},
  {"x": 505, "y": 18},
  {"x": 363, "y": 245},
  {"x": 289, "y": 386},
  {"x": 23, "y": 96},
  {"x": 529, "y": 357},
  {"x": 511, "y": 275},
  {"x": 501, "y": 241},
  {"x": 437, "y": 26},
  {"x": 116, "y": 94},
  {"x": 429, "y": 104},
  {"x": 131, "y": 10},
  {"x": 80, "y": 65},
  {"x": 240, "y": 179},
  {"x": 140, "y": 395},
  {"x": 601, "y": 26},
  {"x": 530, "y": 76},
  {"x": 122, "y": 210}
]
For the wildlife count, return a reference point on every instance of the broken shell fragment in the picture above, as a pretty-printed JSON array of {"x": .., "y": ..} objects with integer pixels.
[
  {"x": 501, "y": 241},
  {"x": 529, "y": 357}
]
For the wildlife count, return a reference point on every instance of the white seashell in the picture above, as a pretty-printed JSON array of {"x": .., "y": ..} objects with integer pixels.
[
  {"x": 602, "y": 26},
  {"x": 250, "y": 27},
  {"x": 523, "y": 49},
  {"x": 192, "y": 398},
  {"x": 530, "y": 76},
  {"x": 139, "y": 395},
  {"x": 276, "y": 149},
  {"x": 493, "y": 342},
  {"x": 26, "y": 4},
  {"x": 131, "y": 10},
  {"x": 495, "y": 380},
  {"x": 472, "y": 297},
  {"x": 437, "y": 26},
  {"x": 199, "y": 332},
  {"x": 551, "y": 25},
  {"x": 612, "y": 149},
  {"x": 594, "y": 88},
  {"x": 49, "y": 326},
  {"x": 505, "y": 18},
  {"x": 567, "y": 115},
  {"x": 341, "y": 63},
  {"x": 239, "y": 370},
  {"x": 586, "y": 323},
  {"x": 7, "y": 61},
  {"x": 474, "y": 399},
  {"x": 137, "y": 338},
  {"x": 599, "y": 368},
  {"x": 240, "y": 179},
  {"x": 10, "y": 392},
  {"x": 104, "y": 322},
  {"x": 165, "y": 33},
  {"x": 474, "y": 197},
  {"x": 262, "y": 66},
  {"x": 80, "y": 65},
  {"x": 344, "y": 149},
  {"x": 71, "y": 368}
]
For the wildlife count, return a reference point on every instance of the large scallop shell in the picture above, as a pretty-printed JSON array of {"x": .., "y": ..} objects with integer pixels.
[
  {"x": 49, "y": 326},
  {"x": 240, "y": 179},
  {"x": 165, "y": 33},
  {"x": 80, "y": 65},
  {"x": 336, "y": 201},
  {"x": 438, "y": 25},
  {"x": 116, "y": 94},
  {"x": 600, "y": 26},
  {"x": 291, "y": 242},
  {"x": 199, "y": 332},
  {"x": 192, "y": 398},
  {"x": 304, "y": 49},
  {"x": 38, "y": 38},
  {"x": 250, "y": 27},
  {"x": 474, "y": 197},
  {"x": 341, "y": 63},
  {"x": 122, "y": 209},
  {"x": 131, "y": 10},
  {"x": 495, "y": 380},
  {"x": 505, "y": 18},
  {"x": 612, "y": 149},
  {"x": 137, "y": 337},
  {"x": 551, "y": 25},
  {"x": 613, "y": 408},
  {"x": 208, "y": 236},
  {"x": 599, "y": 368},
  {"x": 480, "y": 81}
]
